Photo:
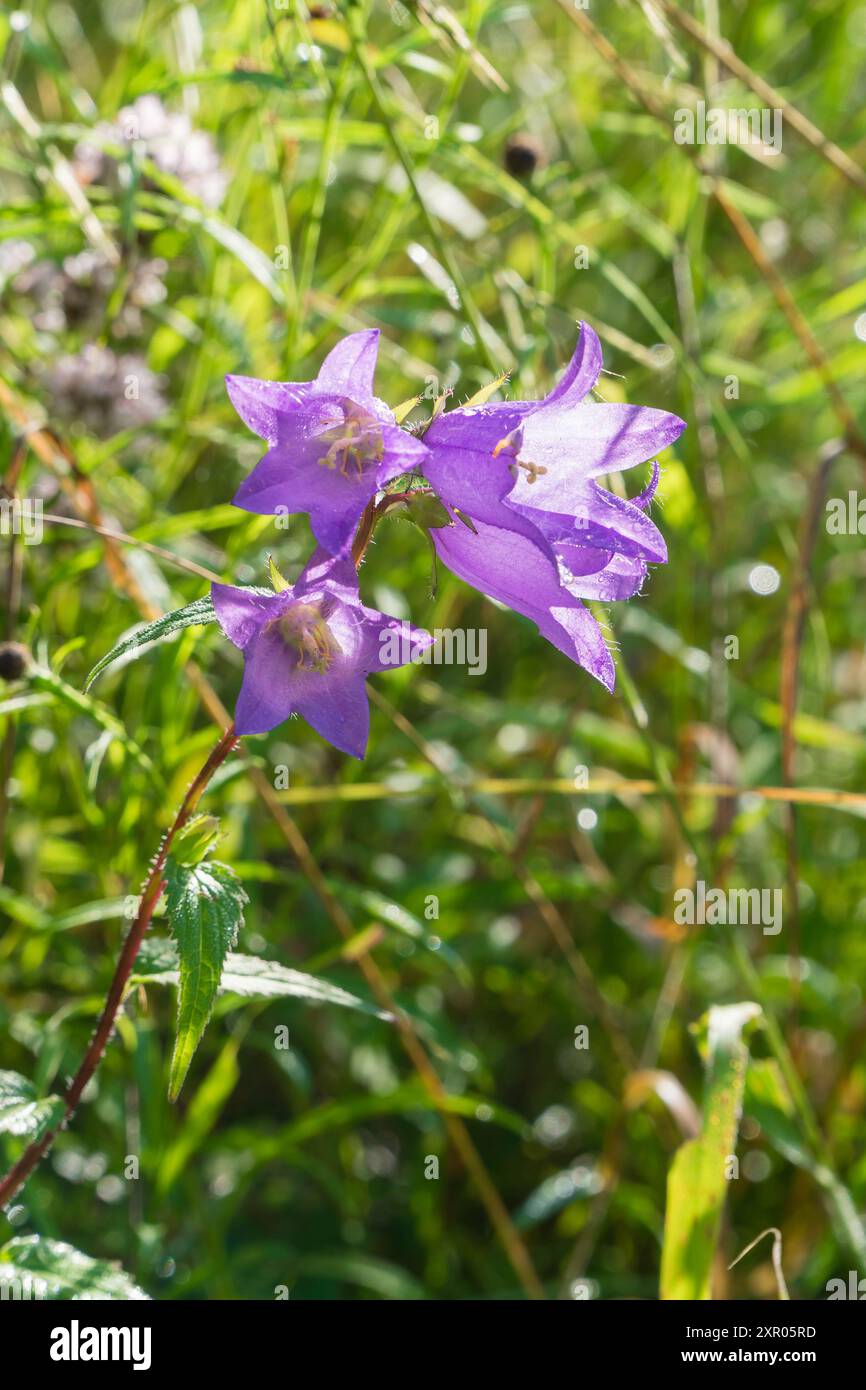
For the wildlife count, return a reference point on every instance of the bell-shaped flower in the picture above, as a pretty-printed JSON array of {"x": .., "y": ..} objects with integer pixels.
[
  {"x": 308, "y": 650},
  {"x": 544, "y": 533},
  {"x": 331, "y": 443}
]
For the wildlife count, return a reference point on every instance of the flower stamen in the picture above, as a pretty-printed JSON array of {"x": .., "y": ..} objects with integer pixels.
[
  {"x": 357, "y": 440},
  {"x": 303, "y": 628},
  {"x": 511, "y": 446}
]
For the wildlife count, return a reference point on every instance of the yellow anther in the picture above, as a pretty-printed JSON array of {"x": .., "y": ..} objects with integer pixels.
[
  {"x": 532, "y": 470},
  {"x": 352, "y": 443},
  {"x": 511, "y": 445}
]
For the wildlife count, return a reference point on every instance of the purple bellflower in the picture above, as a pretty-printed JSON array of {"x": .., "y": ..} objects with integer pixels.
[
  {"x": 332, "y": 443},
  {"x": 544, "y": 533},
  {"x": 308, "y": 649}
]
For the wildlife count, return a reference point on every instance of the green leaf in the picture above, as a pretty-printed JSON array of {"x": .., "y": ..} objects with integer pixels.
[
  {"x": 697, "y": 1181},
  {"x": 408, "y": 1097},
  {"x": 250, "y": 977},
  {"x": 768, "y": 1101},
  {"x": 34, "y": 1267},
  {"x": 103, "y": 910},
  {"x": 41, "y": 678},
  {"x": 254, "y": 978},
  {"x": 22, "y": 1113},
  {"x": 467, "y": 521},
  {"x": 365, "y": 1271},
  {"x": 255, "y": 261},
  {"x": 556, "y": 1193},
  {"x": 204, "y": 1110},
  {"x": 204, "y": 906},
  {"x": 15, "y": 703},
  {"x": 195, "y": 614},
  {"x": 195, "y": 841},
  {"x": 427, "y": 511},
  {"x": 21, "y": 909}
]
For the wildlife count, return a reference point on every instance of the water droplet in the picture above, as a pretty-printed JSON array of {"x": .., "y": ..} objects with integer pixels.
[{"x": 764, "y": 579}]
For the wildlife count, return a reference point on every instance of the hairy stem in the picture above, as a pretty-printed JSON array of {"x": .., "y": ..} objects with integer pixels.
[
  {"x": 373, "y": 513},
  {"x": 18, "y": 1175}
]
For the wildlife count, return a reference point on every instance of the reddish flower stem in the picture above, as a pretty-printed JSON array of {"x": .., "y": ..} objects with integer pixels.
[
  {"x": 18, "y": 1175},
  {"x": 373, "y": 512}
]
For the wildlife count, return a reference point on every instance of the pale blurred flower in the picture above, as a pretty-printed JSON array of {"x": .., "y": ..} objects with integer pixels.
[
  {"x": 104, "y": 392},
  {"x": 74, "y": 294},
  {"x": 165, "y": 137},
  {"x": 14, "y": 256}
]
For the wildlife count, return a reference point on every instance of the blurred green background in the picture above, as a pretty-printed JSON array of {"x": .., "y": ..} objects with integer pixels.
[{"x": 473, "y": 181}]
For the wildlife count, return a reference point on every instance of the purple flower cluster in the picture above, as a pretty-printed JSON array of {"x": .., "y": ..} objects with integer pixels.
[{"x": 528, "y": 523}]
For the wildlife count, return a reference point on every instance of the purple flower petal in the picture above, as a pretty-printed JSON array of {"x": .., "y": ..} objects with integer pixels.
[
  {"x": 578, "y": 636},
  {"x": 479, "y": 428},
  {"x": 582, "y": 372},
  {"x": 269, "y": 692},
  {"x": 479, "y": 485},
  {"x": 326, "y": 578},
  {"x": 482, "y": 427},
  {"x": 524, "y": 472},
  {"x": 620, "y": 578},
  {"x": 390, "y": 642},
  {"x": 644, "y": 498},
  {"x": 574, "y": 445},
  {"x": 260, "y": 404},
  {"x": 296, "y": 476},
  {"x": 331, "y": 426},
  {"x": 517, "y": 572},
  {"x": 287, "y": 483},
  {"x": 340, "y": 712},
  {"x": 350, "y": 367},
  {"x": 240, "y": 613},
  {"x": 603, "y": 521}
]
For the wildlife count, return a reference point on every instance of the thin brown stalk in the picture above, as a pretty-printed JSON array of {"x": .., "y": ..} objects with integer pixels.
[
  {"x": 21, "y": 1171},
  {"x": 799, "y": 326},
  {"x": 722, "y": 51},
  {"x": 601, "y": 785},
  {"x": 122, "y": 538},
  {"x": 714, "y": 487}
]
